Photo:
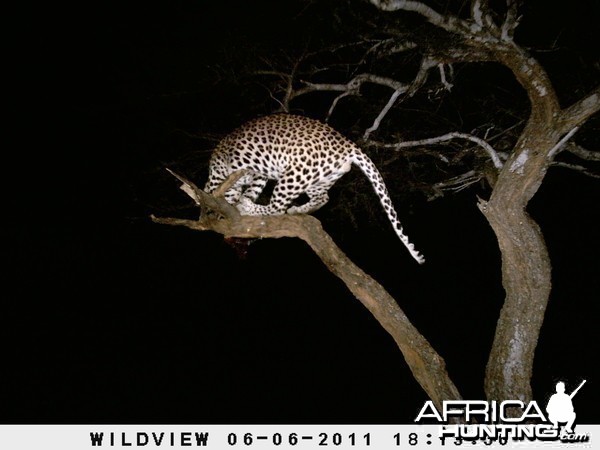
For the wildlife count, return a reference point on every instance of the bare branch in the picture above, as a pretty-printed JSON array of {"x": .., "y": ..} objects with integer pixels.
[
  {"x": 476, "y": 12},
  {"x": 289, "y": 90},
  {"x": 456, "y": 184},
  {"x": 576, "y": 114},
  {"x": 446, "y": 137},
  {"x": 562, "y": 142},
  {"x": 312, "y": 87},
  {"x": 480, "y": 13},
  {"x": 334, "y": 104},
  {"x": 511, "y": 21},
  {"x": 426, "y": 65},
  {"x": 352, "y": 87},
  {"x": 420, "y": 79},
  {"x": 284, "y": 105},
  {"x": 382, "y": 114},
  {"x": 581, "y": 152},
  {"x": 396, "y": 47},
  {"x": 447, "y": 22},
  {"x": 414, "y": 152},
  {"x": 420, "y": 8},
  {"x": 274, "y": 73},
  {"x": 188, "y": 187},
  {"x": 576, "y": 167},
  {"x": 447, "y": 85}
]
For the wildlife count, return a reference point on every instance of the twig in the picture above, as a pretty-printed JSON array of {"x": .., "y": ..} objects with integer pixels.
[
  {"x": 581, "y": 152},
  {"x": 562, "y": 142},
  {"x": 420, "y": 79},
  {"x": 382, "y": 114},
  {"x": 445, "y": 82},
  {"x": 576, "y": 167},
  {"x": 458, "y": 182},
  {"x": 334, "y": 104},
  {"x": 352, "y": 87},
  {"x": 511, "y": 21}
]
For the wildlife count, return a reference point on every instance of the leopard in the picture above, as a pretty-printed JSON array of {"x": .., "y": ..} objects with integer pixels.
[{"x": 303, "y": 156}]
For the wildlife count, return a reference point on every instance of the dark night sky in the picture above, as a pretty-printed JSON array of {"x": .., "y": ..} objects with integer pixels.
[{"x": 112, "y": 319}]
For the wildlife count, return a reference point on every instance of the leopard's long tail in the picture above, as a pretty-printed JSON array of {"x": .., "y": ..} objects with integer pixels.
[{"x": 368, "y": 168}]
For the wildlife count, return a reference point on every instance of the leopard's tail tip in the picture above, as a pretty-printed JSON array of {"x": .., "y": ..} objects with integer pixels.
[{"x": 414, "y": 253}]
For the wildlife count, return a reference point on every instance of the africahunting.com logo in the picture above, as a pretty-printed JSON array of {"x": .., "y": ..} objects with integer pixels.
[{"x": 510, "y": 419}]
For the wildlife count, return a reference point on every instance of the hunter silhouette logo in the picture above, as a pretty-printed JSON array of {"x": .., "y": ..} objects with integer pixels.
[
  {"x": 509, "y": 419},
  {"x": 560, "y": 407}
]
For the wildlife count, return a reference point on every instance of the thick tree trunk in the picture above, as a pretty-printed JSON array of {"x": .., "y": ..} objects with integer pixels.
[
  {"x": 526, "y": 269},
  {"x": 526, "y": 280}
]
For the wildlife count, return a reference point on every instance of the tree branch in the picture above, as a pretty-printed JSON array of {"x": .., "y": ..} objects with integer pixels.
[
  {"x": 352, "y": 87},
  {"x": 382, "y": 114},
  {"x": 420, "y": 8},
  {"x": 447, "y": 85},
  {"x": 581, "y": 152},
  {"x": 426, "y": 365},
  {"x": 446, "y": 22},
  {"x": 480, "y": 13},
  {"x": 421, "y": 77},
  {"x": 395, "y": 46},
  {"x": 214, "y": 202},
  {"x": 456, "y": 184},
  {"x": 334, "y": 104},
  {"x": 559, "y": 145},
  {"x": 576, "y": 167},
  {"x": 576, "y": 114},
  {"x": 446, "y": 137},
  {"x": 511, "y": 21}
]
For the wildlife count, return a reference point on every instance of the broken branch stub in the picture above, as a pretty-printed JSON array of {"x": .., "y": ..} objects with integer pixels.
[{"x": 216, "y": 202}]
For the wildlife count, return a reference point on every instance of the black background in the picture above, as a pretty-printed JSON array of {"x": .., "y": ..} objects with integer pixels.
[{"x": 109, "y": 318}]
